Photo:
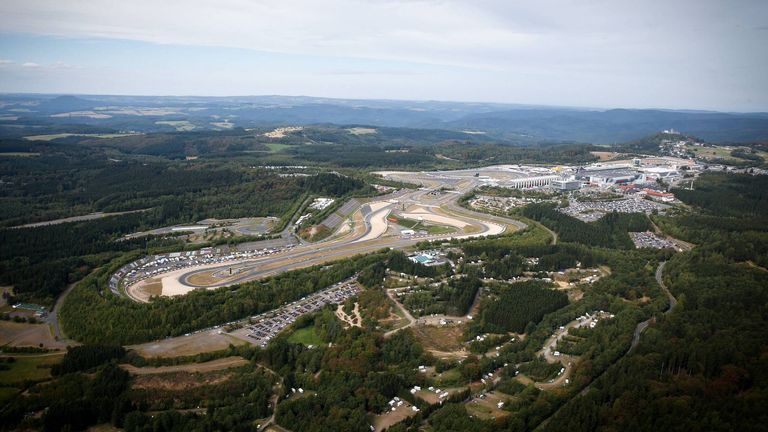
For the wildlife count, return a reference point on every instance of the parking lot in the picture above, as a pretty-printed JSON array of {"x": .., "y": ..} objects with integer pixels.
[
  {"x": 589, "y": 211},
  {"x": 267, "y": 325},
  {"x": 153, "y": 265},
  {"x": 648, "y": 239}
]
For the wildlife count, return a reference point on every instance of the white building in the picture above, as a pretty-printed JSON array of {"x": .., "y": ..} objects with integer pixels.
[{"x": 531, "y": 182}]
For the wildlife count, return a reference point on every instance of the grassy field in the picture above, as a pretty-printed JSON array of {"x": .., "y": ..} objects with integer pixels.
[
  {"x": 305, "y": 336},
  {"x": 29, "y": 367},
  {"x": 711, "y": 152},
  {"x": 277, "y": 147},
  {"x": 418, "y": 225},
  {"x": 449, "y": 377},
  {"x": 445, "y": 338}
]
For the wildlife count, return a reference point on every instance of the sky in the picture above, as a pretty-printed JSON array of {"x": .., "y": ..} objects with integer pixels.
[{"x": 676, "y": 54}]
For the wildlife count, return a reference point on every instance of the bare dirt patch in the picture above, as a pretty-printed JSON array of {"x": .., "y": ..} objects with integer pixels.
[
  {"x": 487, "y": 407},
  {"x": 187, "y": 345},
  {"x": 386, "y": 420},
  {"x": 23, "y": 334},
  {"x": 361, "y": 131},
  {"x": 153, "y": 287},
  {"x": 213, "y": 365},
  {"x": 433, "y": 398},
  {"x": 604, "y": 155},
  {"x": 178, "y": 380},
  {"x": 445, "y": 338},
  {"x": 353, "y": 320}
]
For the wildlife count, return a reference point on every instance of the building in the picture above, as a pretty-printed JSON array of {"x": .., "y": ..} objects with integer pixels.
[
  {"x": 531, "y": 182},
  {"x": 659, "y": 172},
  {"x": 425, "y": 259},
  {"x": 661, "y": 196},
  {"x": 566, "y": 185},
  {"x": 610, "y": 176}
]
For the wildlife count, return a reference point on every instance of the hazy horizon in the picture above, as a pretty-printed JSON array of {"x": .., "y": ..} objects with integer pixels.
[{"x": 690, "y": 55}]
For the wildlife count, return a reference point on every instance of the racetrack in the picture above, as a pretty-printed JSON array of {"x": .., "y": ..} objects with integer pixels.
[{"x": 368, "y": 234}]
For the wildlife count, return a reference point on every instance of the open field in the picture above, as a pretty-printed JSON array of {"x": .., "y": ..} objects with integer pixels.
[
  {"x": 444, "y": 338},
  {"x": 213, "y": 365},
  {"x": 305, "y": 336},
  {"x": 24, "y": 334},
  {"x": 51, "y": 137},
  {"x": 487, "y": 406},
  {"x": 29, "y": 367},
  {"x": 361, "y": 131},
  {"x": 193, "y": 344},
  {"x": 277, "y": 147},
  {"x": 419, "y": 225},
  {"x": 179, "y": 125},
  {"x": 605, "y": 155},
  {"x": 398, "y": 414},
  {"x": 711, "y": 152}
]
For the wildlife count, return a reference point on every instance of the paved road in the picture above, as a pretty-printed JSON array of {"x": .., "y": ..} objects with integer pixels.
[
  {"x": 313, "y": 254},
  {"x": 639, "y": 329},
  {"x": 90, "y": 216},
  {"x": 672, "y": 303},
  {"x": 53, "y": 317}
]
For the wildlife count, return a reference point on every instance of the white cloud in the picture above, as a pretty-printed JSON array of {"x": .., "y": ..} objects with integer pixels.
[
  {"x": 543, "y": 47},
  {"x": 30, "y": 65}
]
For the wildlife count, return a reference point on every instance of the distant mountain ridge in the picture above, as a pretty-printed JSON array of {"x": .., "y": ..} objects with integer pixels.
[{"x": 517, "y": 123}]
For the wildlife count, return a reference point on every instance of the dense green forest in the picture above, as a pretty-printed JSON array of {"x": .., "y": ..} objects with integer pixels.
[
  {"x": 701, "y": 366},
  {"x": 41, "y": 261},
  {"x": 608, "y": 231},
  {"x": 78, "y": 400},
  {"x": 512, "y": 307},
  {"x": 89, "y": 305},
  {"x": 454, "y": 298}
]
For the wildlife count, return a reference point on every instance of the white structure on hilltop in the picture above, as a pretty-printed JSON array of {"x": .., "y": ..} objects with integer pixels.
[{"x": 530, "y": 182}]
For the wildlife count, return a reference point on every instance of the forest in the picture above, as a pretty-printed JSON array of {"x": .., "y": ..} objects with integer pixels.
[
  {"x": 41, "y": 261},
  {"x": 88, "y": 306},
  {"x": 609, "y": 231},
  {"x": 512, "y": 307}
]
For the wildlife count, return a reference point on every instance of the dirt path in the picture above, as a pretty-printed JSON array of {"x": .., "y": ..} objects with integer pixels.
[
  {"x": 354, "y": 320},
  {"x": 213, "y": 365},
  {"x": 408, "y": 316}
]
